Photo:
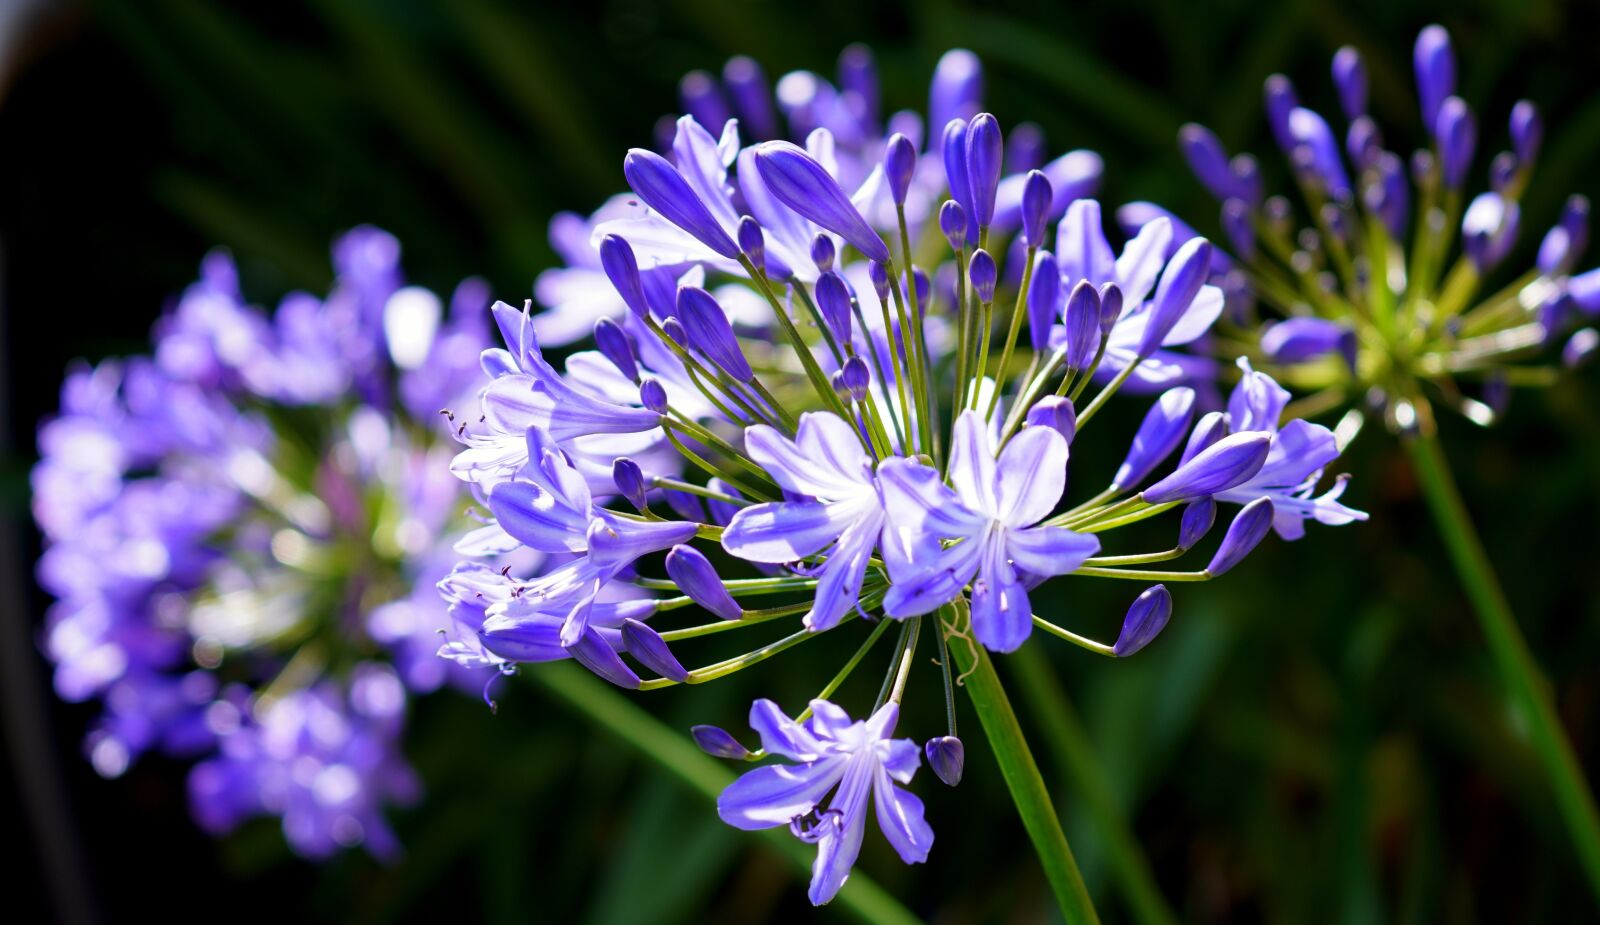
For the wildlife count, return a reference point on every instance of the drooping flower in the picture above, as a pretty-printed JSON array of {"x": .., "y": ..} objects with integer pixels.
[{"x": 857, "y": 762}]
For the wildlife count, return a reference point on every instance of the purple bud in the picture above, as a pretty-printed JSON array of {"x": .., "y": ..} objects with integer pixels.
[
  {"x": 1363, "y": 142},
  {"x": 1055, "y": 412},
  {"x": 880, "y": 279},
  {"x": 1083, "y": 320},
  {"x": 1244, "y": 534},
  {"x": 924, "y": 288},
  {"x": 1435, "y": 65},
  {"x": 957, "y": 87},
  {"x": 1229, "y": 462},
  {"x": 985, "y": 160},
  {"x": 1037, "y": 195},
  {"x": 752, "y": 96},
  {"x": 1044, "y": 301},
  {"x": 899, "y": 165},
  {"x": 752, "y": 241},
  {"x": 701, "y": 98},
  {"x": 805, "y": 186},
  {"x": 1145, "y": 620},
  {"x": 616, "y": 258},
  {"x": 1489, "y": 228},
  {"x": 663, "y": 189},
  {"x": 1280, "y": 100},
  {"x": 1236, "y": 225},
  {"x": 1247, "y": 177},
  {"x": 1209, "y": 160},
  {"x": 1213, "y": 426},
  {"x": 854, "y": 378},
  {"x": 1502, "y": 170},
  {"x": 1564, "y": 244},
  {"x": 1198, "y": 516},
  {"x": 1390, "y": 197},
  {"x": 953, "y": 222},
  {"x": 629, "y": 479},
  {"x": 673, "y": 328},
  {"x": 858, "y": 78},
  {"x": 1580, "y": 347},
  {"x": 646, "y": 645},
  {"x": 833, "y": 299},
  {"x": 946, "y": 758},
  {"x": 1110, "y": 308},
  {"x": 694, "y": 575},
  {"x": 1350, "y": 76},
  {"x": 615, "y": 345},
  {"x": 953, "y": 146},
  {"x": 1457, "y": 134},
  {"x": 822, "y": 252},
  {"x": 1025, "y": 148},
  {"x": 1163, "y": 427},
  {"x": 1311, "y": 131},
  {"x": 1180, "y": 283},
  {"x": 594, "y": 653},
  {"x": 711, "y": 334},
  {"x": 1527, "y": 131},
  {"x": 1297, "y": 340},
  {"x": 685, "y": 505},
  {"x": 718, "y": 742},
  {"x": 653, "y": 396},
  {"x": 981, "y": 273}
]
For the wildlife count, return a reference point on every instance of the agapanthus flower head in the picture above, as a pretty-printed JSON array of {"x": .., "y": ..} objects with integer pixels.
[
  {"x": 243, "y": 531},
  {"x": 1392, "y": 291},
  {"x": 846, "y": 432}
]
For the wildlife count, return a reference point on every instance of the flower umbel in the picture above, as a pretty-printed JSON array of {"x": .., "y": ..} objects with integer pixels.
[
  {"x": 243, "y": 531},
  {"x": 810, "y": 368},
  {"x": 1387, "y": 283}
]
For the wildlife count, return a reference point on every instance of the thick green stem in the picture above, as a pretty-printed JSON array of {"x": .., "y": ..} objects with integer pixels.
[
  {"x": 1069, "y": 744},
  {"x": 863, "y": 899},
  {"x": 1528, "y": 690},
  {"x": 1020, "y": 771}
]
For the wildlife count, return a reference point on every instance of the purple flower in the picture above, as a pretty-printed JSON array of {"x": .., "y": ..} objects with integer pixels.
[
  {"x": 840, "y": 510},
  {"x": 1185, "y": 311},
  {"x": 1298, "y": 453},
  {"x": 803, "y": 185},
  {"x": 990, "y": 507},
  {"x": 855, "y": 761}
]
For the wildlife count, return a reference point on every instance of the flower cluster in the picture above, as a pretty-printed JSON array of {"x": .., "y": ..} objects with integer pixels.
[
  {"x": 236, "y": 528},
  {"x": 808, "y": 363},
  {"x": 1381, "y": 295}
]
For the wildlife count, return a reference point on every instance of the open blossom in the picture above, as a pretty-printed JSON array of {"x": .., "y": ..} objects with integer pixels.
[
  {"x": 773, "y": 391},
  {"x": 990, "y": 508},
  {"x": 842, "y": 508},
  {"x": 856, "y": 762},
  {"x": 209, "y": 506}
]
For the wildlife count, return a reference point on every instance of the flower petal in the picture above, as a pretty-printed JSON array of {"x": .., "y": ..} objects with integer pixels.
[
  {"x": 785, "y": 531},
  {"x": 900, "y": 816},
  {"x": 1050, "y": 550},
  {"x": 1030, "y": 476},
  {"x": 774, "y": 795}
]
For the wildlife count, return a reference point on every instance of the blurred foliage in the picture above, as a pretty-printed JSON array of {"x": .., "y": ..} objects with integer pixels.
[{"x": 1320, "y": 737}]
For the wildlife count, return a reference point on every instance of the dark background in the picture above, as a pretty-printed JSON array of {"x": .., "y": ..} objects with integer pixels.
[{"x": 1319, "y": 737}]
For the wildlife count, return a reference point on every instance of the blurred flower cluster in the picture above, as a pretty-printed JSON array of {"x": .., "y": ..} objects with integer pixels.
[
  {"x": 242, "y": 533},
  {"x": 1379, "y": 279},
  {"x": 808, "y": 364}
]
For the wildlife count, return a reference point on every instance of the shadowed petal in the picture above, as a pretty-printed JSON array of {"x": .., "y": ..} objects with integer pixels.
[{"x": 773, "y": 795}]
